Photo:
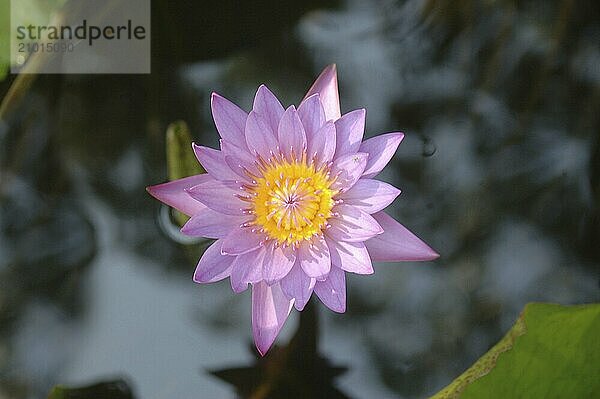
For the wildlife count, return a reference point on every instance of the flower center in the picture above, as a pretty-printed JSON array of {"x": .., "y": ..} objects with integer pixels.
[{"x": 291, "y": 200}]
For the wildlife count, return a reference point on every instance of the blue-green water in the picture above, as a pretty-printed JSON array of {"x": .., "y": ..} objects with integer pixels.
[{"x": 499, "y": 173}]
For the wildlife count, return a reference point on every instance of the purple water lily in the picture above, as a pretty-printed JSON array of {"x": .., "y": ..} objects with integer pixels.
[{"x": 292, "y": 202}]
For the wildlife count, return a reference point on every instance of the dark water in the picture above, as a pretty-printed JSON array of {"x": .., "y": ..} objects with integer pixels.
[{"x": 499, "y": 171}]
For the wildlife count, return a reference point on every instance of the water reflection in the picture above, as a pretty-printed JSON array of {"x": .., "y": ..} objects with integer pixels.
[
  {"x": 296, "y": 370},
  {"x": 498, "y": 169}
]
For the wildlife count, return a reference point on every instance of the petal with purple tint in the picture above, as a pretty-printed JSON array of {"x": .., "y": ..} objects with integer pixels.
[
  {"x": 221, "y": 196},
  {"x": 397, "y": 243},
  {"x": 247, "y": 268},
  {"x": 239, "y": 160},
  {"x": 350, "y": 256},
  {"x": 332, "y": 292},
  {"x": 370, "y": 195},
  {"x": 270, "y": 309},
  {"x": 277, "y": 263},
  {"x": 322, "y": 145},
  {"x": 350, "y": 129},
  {"x": 211, "y": 224},
  {"x": 174, "y": 193},
  {"x": 292, "y": 138},
  {"x": 260, "y": 137},
  {"x": 213, "y": 266},
  {"x": 314, "y": 258},
  {"x": 230, "y": 119},
  {"x": 312, "y": 115},
  {"x": 213, "y": 162},
  {"x": 348, "y": 169},
  {"x": 380, "y": 149},
  {"x": 297, "y": 285},
  {"x": 240, "y": 241},
  {"x": 268, "y": 107},
  {"x": 352, "y": 225},
  {"x": 327, "y": 87}
]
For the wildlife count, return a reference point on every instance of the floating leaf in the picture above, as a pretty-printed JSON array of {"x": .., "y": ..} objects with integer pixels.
[
  {"x": 181, "y": 161},
  {"x": 552, "y": 351},
  {"x": 103, "y": 390}
]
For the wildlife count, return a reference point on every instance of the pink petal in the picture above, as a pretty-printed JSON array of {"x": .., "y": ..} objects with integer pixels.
[
  {"x": 229, "y": 119},
  {"x": 270, "y": 309},
  {"x": 350, "y": 256},
  {"x": 213, "y": 162},
  {"x": 349, "y": 129},
  {"x": 247, "y": 268},
  {"x": 332, "y": 292},
  {"x": 312, "y": 115},
  {"x": 322, "y": 145},
  {"x": 291, "y": 133},
  {"x": 297, "y": 285},
  {"x": 213, "y": 266},
  {"x": 352, "y": 225},
  {"x": 397, "y": 243},
  {"x": 314, "y": 259},
  {"x": 348, "y": 169},
  {"x": 327, "y": 87},
  {"x": 174, "y": 193},
  {"x": 240, "y": 241},
  {"x": 268, "y": 107},
  {"x": 277, "y": 263},
  {"x": 220, "y": 196},
  {"x": 238, "y": 159},
  {"x": 370, "y": 195},
  {"x": 211, "y": 224},
  {"x": 380, "y": 149},
  {"x": 260, "y": 137}
]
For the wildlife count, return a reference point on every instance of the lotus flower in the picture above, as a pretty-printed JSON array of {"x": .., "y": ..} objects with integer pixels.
[{"x": 292, "y": 202}]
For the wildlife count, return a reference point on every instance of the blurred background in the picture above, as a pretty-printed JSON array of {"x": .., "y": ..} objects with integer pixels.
[{"x": 499, "y": 171}]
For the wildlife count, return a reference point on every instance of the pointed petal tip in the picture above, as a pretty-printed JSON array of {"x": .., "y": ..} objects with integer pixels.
[
  {"x": 270, "y": 310},
  {"x": 214, "y": 96},
  {"x": 433, "y": 255},
  {"x": 156, "y": 190},
  {"x": 329, "y": 69},
  {"x": 264, "y": 340},
  {"x": 262, "y": 347},
  {"x": 262, "y": 88},
  {"x": 398, "y": 136},
  {"x": 300, "y": 305},
  {"x": 427, "y": 253},
  {"x": 183, "y": 230},
  {"x": 341, "y": 309},
  {"x": 397, "y": 244},
  {"x": 196, "y": 278},
  {"x": 327, "y": 85}
]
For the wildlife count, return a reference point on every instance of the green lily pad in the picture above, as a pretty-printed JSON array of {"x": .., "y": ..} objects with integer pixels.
[{"x": 552, "y": 351}]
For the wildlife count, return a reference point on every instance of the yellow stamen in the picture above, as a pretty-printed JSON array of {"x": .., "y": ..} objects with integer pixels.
[{"x": 291, "y": 200}]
